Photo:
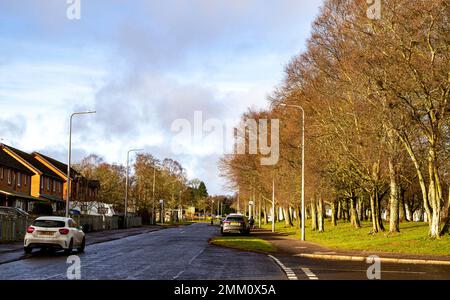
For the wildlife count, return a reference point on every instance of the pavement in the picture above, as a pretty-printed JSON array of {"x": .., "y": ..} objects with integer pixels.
[
  {"x": 171, "y": 254},
  {"x": 311, "y": 261}
]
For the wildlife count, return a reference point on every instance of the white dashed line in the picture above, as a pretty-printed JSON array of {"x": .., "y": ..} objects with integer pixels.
[
  {"x": 178, "y": 275},
  {"x": 310, "y": 274},
  {"x": 196, "y": 255},
  {"x": 289, "y": 273}
]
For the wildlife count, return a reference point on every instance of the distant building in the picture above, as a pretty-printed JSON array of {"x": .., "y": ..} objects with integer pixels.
[{"x": 94, "y": 209}]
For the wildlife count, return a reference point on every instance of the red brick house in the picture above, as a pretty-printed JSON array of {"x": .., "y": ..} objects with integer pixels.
[
  {"x": 15, "y": 183},
  {"x": 41, "y": 182}
]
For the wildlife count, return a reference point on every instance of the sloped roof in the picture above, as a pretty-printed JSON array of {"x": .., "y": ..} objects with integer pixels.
[
  {"x": 62, "y": 167},
  {"x": 30, "y": 159},
  {"x": 9, "y": 161}
]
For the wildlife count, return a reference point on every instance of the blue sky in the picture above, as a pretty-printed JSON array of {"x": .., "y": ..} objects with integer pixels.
[{"x": 141, "y": 65}]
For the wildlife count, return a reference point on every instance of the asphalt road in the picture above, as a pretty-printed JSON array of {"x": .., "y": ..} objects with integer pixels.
[
  {"x": 170, "y": 254},
  {"x": 317, "y": 269},
  {"x": 184, "y": 253}
]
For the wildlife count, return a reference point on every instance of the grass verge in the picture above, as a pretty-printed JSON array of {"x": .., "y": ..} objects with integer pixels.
[
  {"x": 412, "y": 239},
  {"x": 247, "y": 243}
]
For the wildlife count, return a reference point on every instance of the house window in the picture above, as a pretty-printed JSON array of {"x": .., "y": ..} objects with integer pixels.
[
  {"x": 42, "y": 183},
  {"x": 9, "y": 176},
  {"x": 19, "y": 179},
  {"x": 54, "y": 185},
  {"x": 26, "y": 179},
  {"x": 48, "y": 184}
]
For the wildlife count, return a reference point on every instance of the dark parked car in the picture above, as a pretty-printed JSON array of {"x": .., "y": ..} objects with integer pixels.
[{"x": 235, "y": 223}]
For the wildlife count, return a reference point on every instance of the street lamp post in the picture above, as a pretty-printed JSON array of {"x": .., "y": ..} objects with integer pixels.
[
  {"x": 69, "y": 157},
  {"x": 153, "y": 196},
  {"x": 161, "y": 214},
  {"x": 126, "y": 185},
  {"x": 303, "y": 166}
]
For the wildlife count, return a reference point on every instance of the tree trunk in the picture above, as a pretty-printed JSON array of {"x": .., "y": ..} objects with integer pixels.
[
  {"x": 393, "y": 200},
  {"x": 377, "y": 223},
  {"x": 409, "y": 211},
  {"x": 299, "y": 216},
  {"x": 432, "y": 197},
  {"x": 320, "y": 218},
  {"x": 346, "y": 209},
  {"x": 276, "y": 214},
  {"x": 334, "y": 213},
  {"x": 354, "y": 219},
  {"x": 403, "y": 214},
  {"x": 339, "y": 210},
  {"x": 265, "y": 216},
  {"x": 362, "y": 208},
  {"x": 294, "y": 214},
  {"x": 287, "y": 217},
  {"x": 446, "y": 227},
  {"x": 314, "y": 225}
]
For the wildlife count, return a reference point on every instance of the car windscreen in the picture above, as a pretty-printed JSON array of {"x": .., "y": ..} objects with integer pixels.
[
  {"x": 49, "y": 223},
  {"x": 235, "y": 219}
]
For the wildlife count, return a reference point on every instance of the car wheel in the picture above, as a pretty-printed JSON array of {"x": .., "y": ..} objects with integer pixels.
[
  {"x": 69, "y": 250},
  {"x": 82, "y": 246},
  {"x": 27, "y": 250}
]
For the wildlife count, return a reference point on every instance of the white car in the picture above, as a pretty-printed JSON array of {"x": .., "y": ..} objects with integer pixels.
[{"x": 55, "y": 233}]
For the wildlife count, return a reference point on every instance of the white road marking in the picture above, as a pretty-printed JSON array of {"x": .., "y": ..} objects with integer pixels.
[
  {"x": 382, "y": 271},
  {"x": 289, "y": 273},
  {"x": 310, "y": 274},
  {"x": 190, "y": 262},
  {"x": 197, "y": 255},
  {"x": 178, "y": 275},
  {"x": 53, "y": 276}
]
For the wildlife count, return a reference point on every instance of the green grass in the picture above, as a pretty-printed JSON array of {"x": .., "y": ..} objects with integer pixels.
[
  {"x": 412, "y": 239},
  {"x": 247, "y": 243}
]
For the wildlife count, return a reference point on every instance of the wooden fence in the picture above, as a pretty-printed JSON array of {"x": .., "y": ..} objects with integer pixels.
[{"x": 14, "y": 228}]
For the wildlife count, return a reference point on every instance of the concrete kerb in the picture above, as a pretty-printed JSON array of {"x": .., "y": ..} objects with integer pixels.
[{"x": 383, "y": 260}]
